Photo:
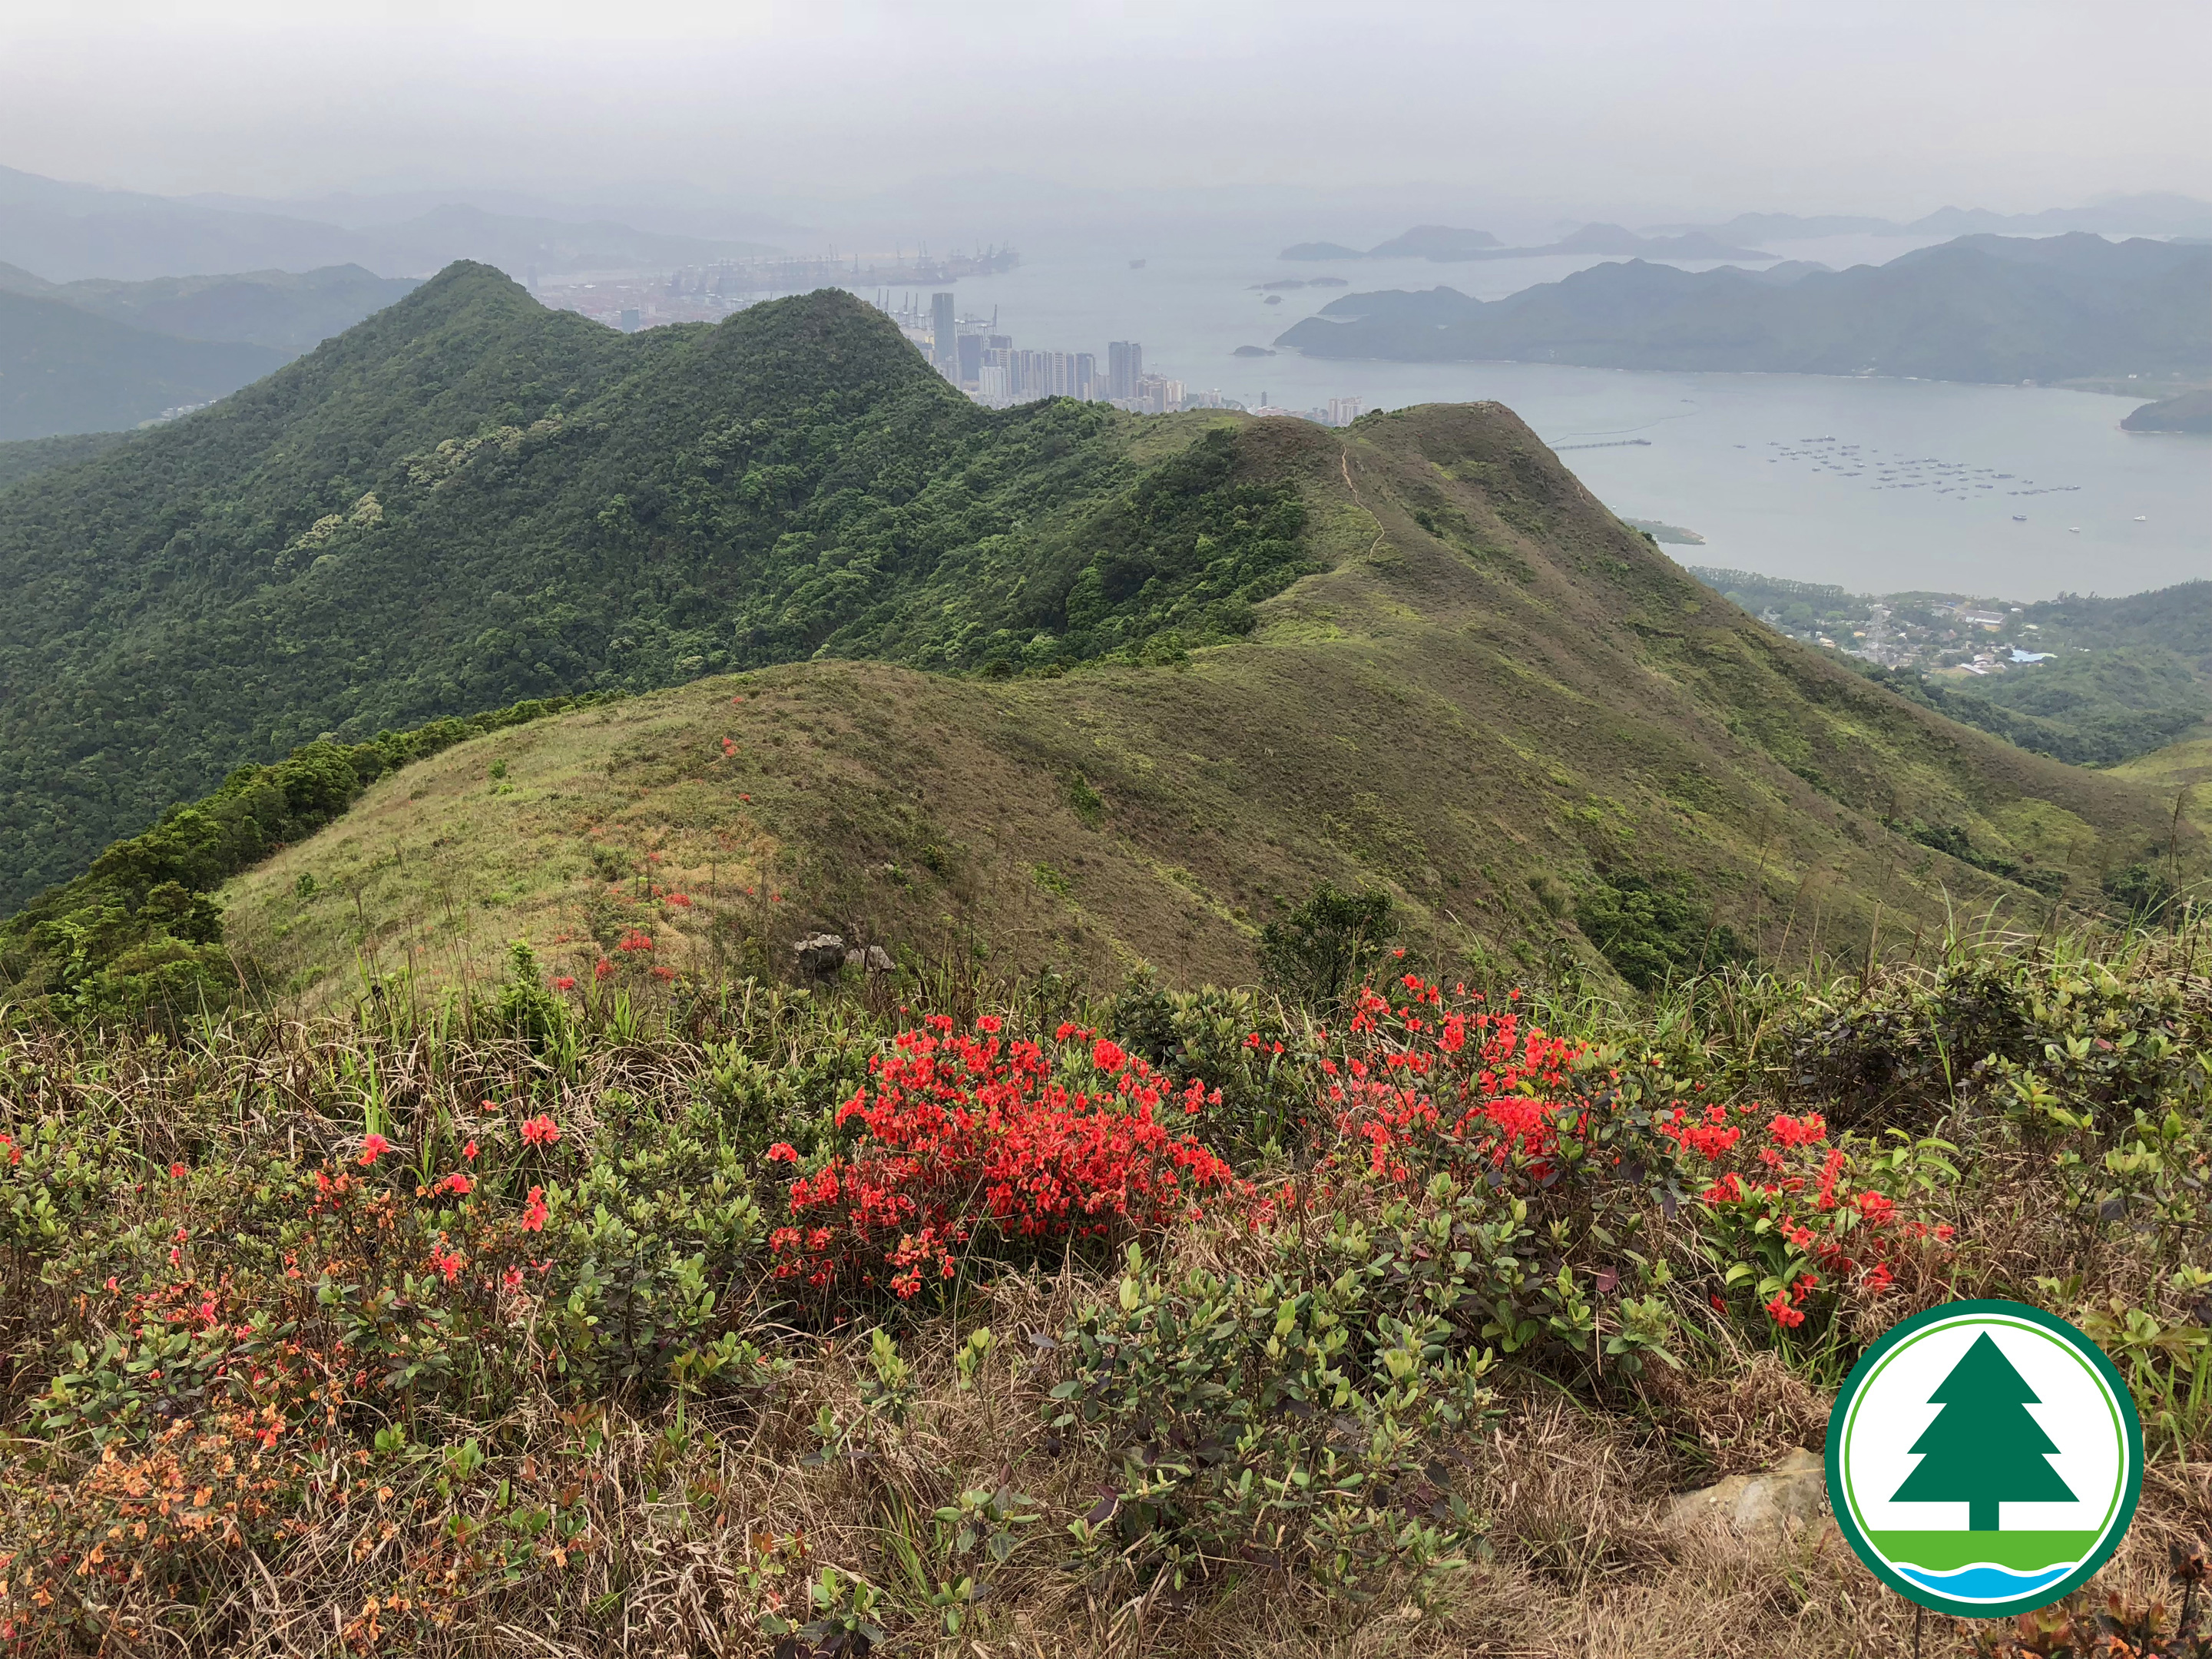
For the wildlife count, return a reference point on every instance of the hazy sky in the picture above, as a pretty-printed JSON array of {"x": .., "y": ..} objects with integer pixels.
[{"x": 1685, "y": 107}]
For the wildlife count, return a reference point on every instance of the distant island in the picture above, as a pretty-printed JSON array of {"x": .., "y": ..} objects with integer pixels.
[
  {"x": 1436, "y": 242},
  {"x": 1673, "y": 534},
  {"x": 1986, "y": 309},
  {"x": 1251, "y": 351},
  {"x": 2189, "y": 412},
  {"x": 1446, "y": 244},
  {"x": 2150, "y": 214}
]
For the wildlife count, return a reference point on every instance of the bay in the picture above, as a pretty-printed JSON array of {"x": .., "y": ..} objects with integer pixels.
[{"x": 1749, "y": 461}]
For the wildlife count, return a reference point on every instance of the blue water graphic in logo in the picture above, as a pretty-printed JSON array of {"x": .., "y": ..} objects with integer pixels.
[{"x": 1985, "y": 1583}]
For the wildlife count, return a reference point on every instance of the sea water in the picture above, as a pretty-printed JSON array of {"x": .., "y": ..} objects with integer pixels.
[{"x": 1749, "y": 461}]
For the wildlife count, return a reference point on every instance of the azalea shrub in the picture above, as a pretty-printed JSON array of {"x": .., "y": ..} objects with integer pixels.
[
  {"x": 983, "y": 1145},
  {"x": 1630, "y": 1187}
]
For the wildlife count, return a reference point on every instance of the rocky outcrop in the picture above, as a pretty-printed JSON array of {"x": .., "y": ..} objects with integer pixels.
[{"x": 1793, "y": 1493}]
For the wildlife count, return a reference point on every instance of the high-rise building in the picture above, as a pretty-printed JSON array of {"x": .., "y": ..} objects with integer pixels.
[
  {"x": 1086, "y": 376},
  {"x": 629, "y": 322},
  {"x": 1125, "y": 367},
  {"x": 1343, "y": 412},
  {"x": 945, "y": 335},
  {"x": 971, "y": 358}
]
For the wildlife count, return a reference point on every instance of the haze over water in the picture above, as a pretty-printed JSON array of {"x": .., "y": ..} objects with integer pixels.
[{"x": 1713, "y": 459}]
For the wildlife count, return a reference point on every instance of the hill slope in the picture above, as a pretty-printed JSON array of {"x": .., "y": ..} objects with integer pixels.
[
  {"x": 1223, "y": 660},
  {"x": 63, "y": 370},
  {"x": 1496, "y": 703},
  {"x": 288, "y": 313},
  {"x": 2192, "y": 411},
  {"x": 1979, "y": 308},
  {"x": 469, "y": 499}
]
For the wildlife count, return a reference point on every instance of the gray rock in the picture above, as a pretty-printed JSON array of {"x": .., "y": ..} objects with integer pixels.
[
  {"x": 875, "y": 959},
  {"x": 1792, "y": 1493},
  {"x": 819, "y": 954}
]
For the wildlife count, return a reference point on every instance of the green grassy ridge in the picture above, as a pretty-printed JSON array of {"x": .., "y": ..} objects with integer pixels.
[
  {"x": 1415, "y": 655},
  {"x": 136, "y": 932},
  {"x": 467, "y": 500},
  {"x": 1494, "y": 720}
]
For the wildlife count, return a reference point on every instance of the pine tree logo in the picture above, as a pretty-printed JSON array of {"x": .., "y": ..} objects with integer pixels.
[
  {"x": 1985, "y": 1458},
  {"x": 1983, "y": 1447}
]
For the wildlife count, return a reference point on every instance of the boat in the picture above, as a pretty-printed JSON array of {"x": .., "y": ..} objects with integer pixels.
[
  {"x": 2073, "y": 529},
  {"x": 1136, "y": 264},
  {"x": 2020, "y": 518},
  {"x": 2140, "y": 519}
]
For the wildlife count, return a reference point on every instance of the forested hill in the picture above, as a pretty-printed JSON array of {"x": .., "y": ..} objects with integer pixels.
[
  {"x": 1979, "y": 308},
  {"x": 468, "y": 500},
  {"x": 65, "y": 370}
]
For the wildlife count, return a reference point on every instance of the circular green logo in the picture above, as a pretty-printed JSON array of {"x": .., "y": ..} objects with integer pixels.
[{"x": 1984, "y": 1459}]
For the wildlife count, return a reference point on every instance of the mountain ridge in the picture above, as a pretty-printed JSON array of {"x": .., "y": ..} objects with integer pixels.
[{"x": 1980, "y": 308}]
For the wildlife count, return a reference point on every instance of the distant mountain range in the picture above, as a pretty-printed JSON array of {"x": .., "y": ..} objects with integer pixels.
[
  {"x": 1444, "y": 243},
  {"x": 1977, "y": 308},
  {"x": 98, "y": 354},
  {"x": 2147, "y": 215},
  {"x": 66, "y": 370},
  {"x": 66, "y": 231},
  {"x": 287, "y": 312}
]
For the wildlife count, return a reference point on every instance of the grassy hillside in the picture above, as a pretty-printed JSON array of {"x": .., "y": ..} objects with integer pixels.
[
  {"x": 1980, "y": 308},
  {"x": 65, "y": 370},
  {"x": 1542, "y": 737}
]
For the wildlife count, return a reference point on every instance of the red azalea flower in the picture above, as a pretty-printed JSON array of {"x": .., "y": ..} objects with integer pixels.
[{"x": 372, "y": 1145}]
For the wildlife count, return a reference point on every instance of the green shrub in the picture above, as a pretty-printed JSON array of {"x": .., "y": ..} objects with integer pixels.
[
  {"x": 1650, "y": 932},
  {"x": 1293, "y": 1421},
  {"x": 1318, "y": 953}
]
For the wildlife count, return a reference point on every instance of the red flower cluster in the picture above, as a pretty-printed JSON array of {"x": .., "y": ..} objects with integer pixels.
[
  {"x": 1426, "y": 1081},
  {"x": 540, "y": 1131},
  {"x": 1840, "y": 1238},
  {"x": 968, "y": 1135},
  {"x": 1714, "y": 1136}
]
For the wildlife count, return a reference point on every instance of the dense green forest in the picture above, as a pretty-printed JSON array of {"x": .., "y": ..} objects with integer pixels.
[
  {"x": 1979, "y": 308},
  {"x": 2087, "y": 711},
  {"x": 25, "y": 457},
  {"x": 468, "y": 500}
]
